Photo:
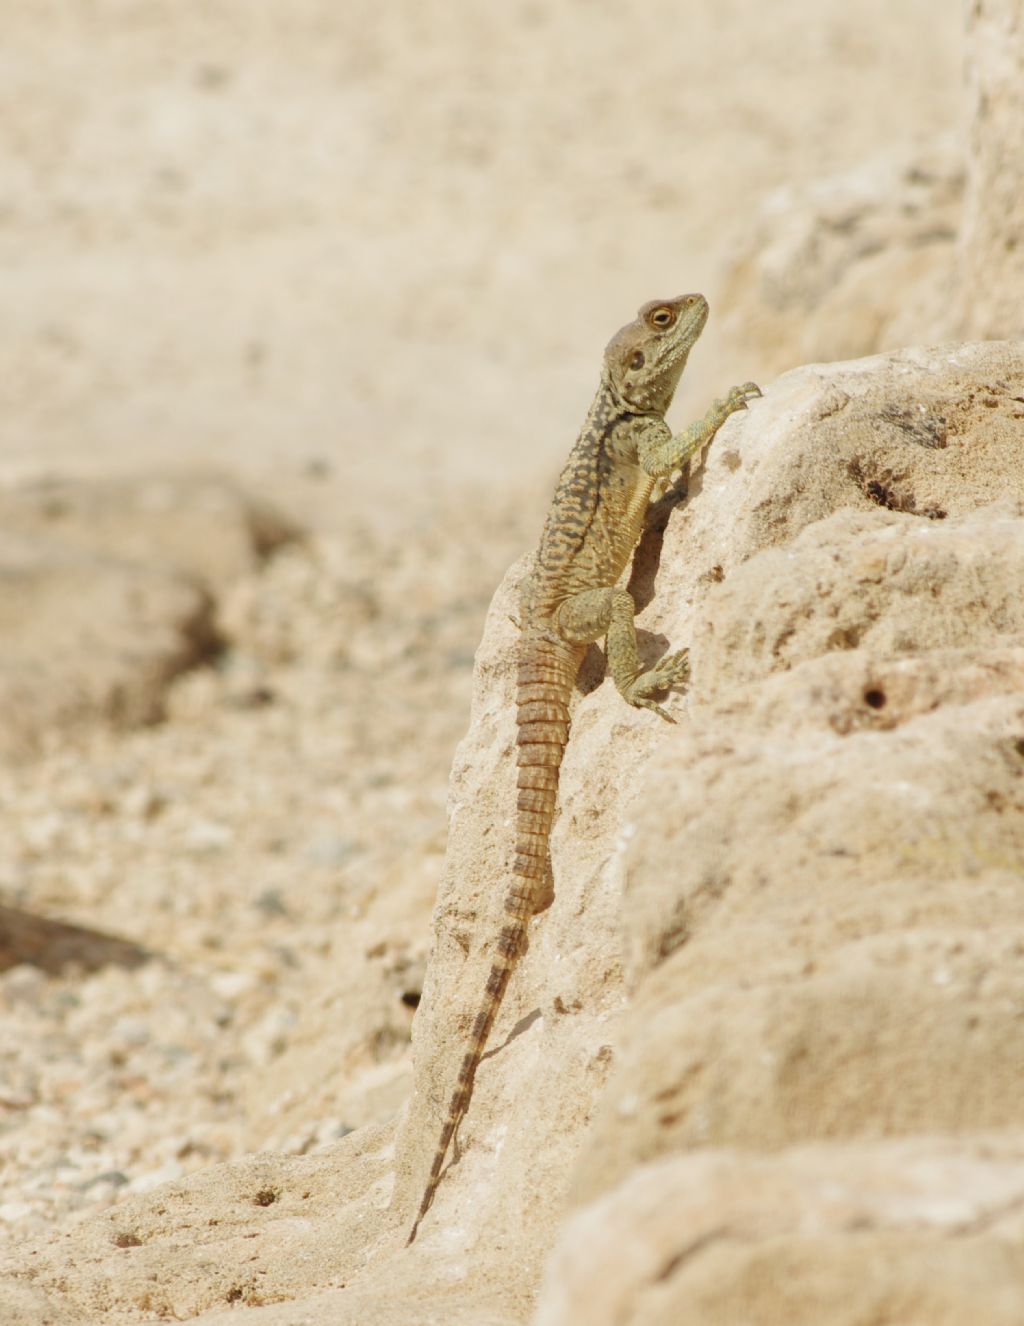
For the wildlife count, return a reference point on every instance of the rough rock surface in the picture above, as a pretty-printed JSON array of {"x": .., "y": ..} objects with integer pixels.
[
  {"x": 849, "y": 570},
  {"x": 796, "y": 917}
]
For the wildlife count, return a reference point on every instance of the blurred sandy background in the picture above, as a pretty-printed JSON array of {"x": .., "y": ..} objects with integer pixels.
[{"x": 391, "y": 240}]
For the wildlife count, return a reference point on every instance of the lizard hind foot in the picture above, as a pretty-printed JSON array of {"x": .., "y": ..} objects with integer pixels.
[{"x": 672, "y": 670}]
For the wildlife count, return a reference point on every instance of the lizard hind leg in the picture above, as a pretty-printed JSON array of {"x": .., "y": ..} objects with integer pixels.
[
  {"x": 612, "y": 612},
  {"x": 587, "y": 616}
]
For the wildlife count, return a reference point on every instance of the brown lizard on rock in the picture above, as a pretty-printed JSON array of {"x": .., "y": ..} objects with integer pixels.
[{"x": 572, "y": 598}]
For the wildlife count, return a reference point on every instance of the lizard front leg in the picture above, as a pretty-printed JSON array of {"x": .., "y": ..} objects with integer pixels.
[
  {"x": 610, "y": 612},
  {"x": 661, "y": 453}
]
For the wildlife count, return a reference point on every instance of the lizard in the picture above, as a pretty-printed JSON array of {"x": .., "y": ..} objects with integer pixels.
[{"x": 572, "y": 598}]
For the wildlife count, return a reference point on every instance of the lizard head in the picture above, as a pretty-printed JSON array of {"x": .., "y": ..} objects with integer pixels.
[{"x": 645, "y": 360}]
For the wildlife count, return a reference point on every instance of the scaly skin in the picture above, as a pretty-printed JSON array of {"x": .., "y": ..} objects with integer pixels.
[{"x": 571, "y": 599}]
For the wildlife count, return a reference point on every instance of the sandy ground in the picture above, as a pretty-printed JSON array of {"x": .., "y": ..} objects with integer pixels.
[{"x": 364, "y": 257}]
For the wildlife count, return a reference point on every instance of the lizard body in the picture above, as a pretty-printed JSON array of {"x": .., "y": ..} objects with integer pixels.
[{"x": 572, "y": 599}]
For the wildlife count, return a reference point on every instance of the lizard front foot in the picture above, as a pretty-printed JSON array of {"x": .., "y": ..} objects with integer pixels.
[
  {"x": 672, "y": 670},
  {"x": 738, "y": 397}
]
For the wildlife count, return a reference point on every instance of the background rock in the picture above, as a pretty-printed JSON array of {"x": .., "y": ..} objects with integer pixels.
[
  {"x": 860, "y": 260},
  {"x": 919, "y": 244},
  {"x": 107, "y": 594},
  {"x": 991, "y": 255},
  {"x": 206, "y": 526},
  {"x": 90, "y": 637},
  {"x": 925, "y": 1232}
]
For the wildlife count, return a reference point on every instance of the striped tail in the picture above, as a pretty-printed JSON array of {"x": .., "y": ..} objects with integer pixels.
[{"x": 546, "y": 674}]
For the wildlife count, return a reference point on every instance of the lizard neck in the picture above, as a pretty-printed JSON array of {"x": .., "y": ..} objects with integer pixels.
[{"x": 624, "y": 407}]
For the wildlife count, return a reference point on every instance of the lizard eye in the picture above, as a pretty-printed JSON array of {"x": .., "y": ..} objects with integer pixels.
[
  {"x": 637, "y": 359},
  {"x": 663, "y": 317}
]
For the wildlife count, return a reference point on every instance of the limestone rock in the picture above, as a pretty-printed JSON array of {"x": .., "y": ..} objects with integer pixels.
[
  {"x": 924, "y": 1232},
  {"x": 913, "y": 245},
  {"x": 855, "y": 973},
  {"x": 87, "y": 636},
  {"x": 206, "y": 526},
  {"x": 850, "y": 264},
  {"x": 990, "y": 252},
  {"x": 107, "y": 594},
  {"x": 868, "y": 581},
  {"x": 247, "y": 1234},
  {"x": 809, "y": 889},
  {"x": 21, "y": 1305}
]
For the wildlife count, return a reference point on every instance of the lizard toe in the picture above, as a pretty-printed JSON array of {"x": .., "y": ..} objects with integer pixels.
[
  {"x": 644, "y": 703},
  {"x": 672, "y": 670}
]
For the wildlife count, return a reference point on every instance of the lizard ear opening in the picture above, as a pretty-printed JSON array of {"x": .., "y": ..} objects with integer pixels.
[{"x": 636, "y": 360}]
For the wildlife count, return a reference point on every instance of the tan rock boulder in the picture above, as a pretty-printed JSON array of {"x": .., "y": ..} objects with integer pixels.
[
  {"x": 88, "y": 637},
  {"x": 825, "y": 932},
  {"x": 990, "y": 251},
  {"x": 855, "y": 262},
  {"x": 201, "y": 524},
  {"x": 925, "y": 1232},
  {"x": 804, "y": 882},
  {"x": 107, "y": 594}
]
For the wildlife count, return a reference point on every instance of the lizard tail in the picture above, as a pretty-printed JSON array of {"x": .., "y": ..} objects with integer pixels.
[
  {"x": 511, "y": 942},
  {"x": 544, "y": 684},
  {"x": 545, "y": 678}
]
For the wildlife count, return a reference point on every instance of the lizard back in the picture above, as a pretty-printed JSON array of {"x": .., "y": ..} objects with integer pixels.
[{"x": 597, "y": 511}]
